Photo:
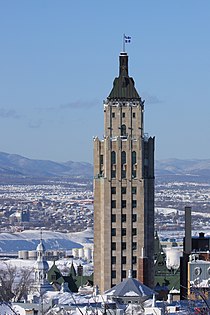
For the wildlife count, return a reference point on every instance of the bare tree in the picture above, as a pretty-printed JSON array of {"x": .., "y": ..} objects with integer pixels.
[{"x": 15, "y": 283}]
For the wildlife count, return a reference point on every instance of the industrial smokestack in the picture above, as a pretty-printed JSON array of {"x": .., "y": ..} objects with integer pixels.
[{"x": 188, "y": 236}]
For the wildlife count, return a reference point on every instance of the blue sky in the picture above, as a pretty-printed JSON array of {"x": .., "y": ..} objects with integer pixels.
[{"x": 58, "y": 60}]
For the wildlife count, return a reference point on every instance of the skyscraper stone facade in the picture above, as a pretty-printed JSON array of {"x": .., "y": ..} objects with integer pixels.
[{"x": 123, "y": 188}]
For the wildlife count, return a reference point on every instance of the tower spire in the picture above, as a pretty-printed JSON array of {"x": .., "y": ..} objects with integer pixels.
[{"x": 124, "y": 85}]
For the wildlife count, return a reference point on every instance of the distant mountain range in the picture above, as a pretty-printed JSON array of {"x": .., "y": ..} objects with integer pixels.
[
  {"x": 13, "y": 165},
  {"x": 195, "y": 167},
  {"x": 16, "y": 166}
]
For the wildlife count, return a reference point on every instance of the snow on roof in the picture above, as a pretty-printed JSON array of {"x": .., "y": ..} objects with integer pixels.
[
  {"x": 8, "y": 310},
  {"x": 71, "y": 298},
  {"x": 131, "y": 293},
  {"x": 130, "y": 287}
]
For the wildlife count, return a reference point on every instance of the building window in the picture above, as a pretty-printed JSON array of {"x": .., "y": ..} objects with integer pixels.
[
  {"x": 124, "y": 274},
  {"x": 113, "y": 260},
  {"x": 113, "y": 174},
  {"x": 123, "y": 232},
  {"x": 134, "y": 217},
  {"x": 123, "y": 217},
  {"x": 123, "y": 157},
  {"x": 113, "y": 232},
  {"x": 113, "y": 115},
  {"x": 134, "y": 157},
  {"x": 113, "y": 190},
  {"x": 123, "y": 203},
  {"x": 123, "y": 115},
  {"x": 134, "y": 260},
  {"x": 123, "y": 162},
  {"x": 113, "y": 203},
  {"x": 133, "y": 164},
  {"x": 134, "y": 274},
  {"x": 114, "y": 274},
  {"x": 113, "y": 157},
  {"x": 134, "y": 245},
  {"x": 134, "y": 115},
  {"x": 134, "y": 231},
  {"x": 123, "y": 130},
  {"x": 123, "y": 245},
  {"x": 113, "y": 246},
  {"x": 123, "y": 173},
  {"x": 134, "y": 203},
  {"x": 133, "y": 173},
  {"x": 101, "y": 164},
  {"x": 123, "y": 190},
  {"x": 113, "y": 217},
  {"x": 123, "y": 260},
  {"x": 134, "y": 190}
]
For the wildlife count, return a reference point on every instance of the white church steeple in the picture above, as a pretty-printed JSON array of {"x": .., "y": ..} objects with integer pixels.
[{"x": 41, "y": 269}]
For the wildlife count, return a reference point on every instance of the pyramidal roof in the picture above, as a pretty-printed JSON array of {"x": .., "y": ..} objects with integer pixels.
[
  {"x": 72, "y": 271},
  {"x": 123, "y": 86},
  {"x": 131, "y": 288}
]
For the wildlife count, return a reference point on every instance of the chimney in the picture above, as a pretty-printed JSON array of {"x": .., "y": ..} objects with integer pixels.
[{"x": 188, "y": 236}]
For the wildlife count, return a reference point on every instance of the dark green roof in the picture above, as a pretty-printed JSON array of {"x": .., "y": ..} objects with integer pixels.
[
  {"x": 124, "y": 86},
  {"x": 74, "y": 281},
  {"x": 54, "y": 274},
  {"x": 72, "y": 271}
]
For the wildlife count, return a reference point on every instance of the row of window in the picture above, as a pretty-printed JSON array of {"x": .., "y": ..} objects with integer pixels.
[
  {"x": 123, "y": 217},
  {"x": 123, "y": 274},
  {"x": 123, "y": 173},
  {"x": 123, "y": 190},
  {"x": 123, "y": 231},
  {"x": 123, "y": 260},
  {"x": 123, "y": 245},
  {"x": 123, "y": 164},
  {"x": 123, "y": 204},
  {"x": 123, "y": 115},
  {"x": 123, "y": 157}
]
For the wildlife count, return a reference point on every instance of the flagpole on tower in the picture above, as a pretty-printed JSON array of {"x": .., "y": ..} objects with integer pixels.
[{"x": 126, "y": 40}]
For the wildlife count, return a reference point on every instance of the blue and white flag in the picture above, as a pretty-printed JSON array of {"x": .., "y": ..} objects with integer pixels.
[{"x": 127, "y": 39}]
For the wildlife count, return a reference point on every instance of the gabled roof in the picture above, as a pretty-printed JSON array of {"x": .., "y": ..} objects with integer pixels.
[
  {"x": 124, "y": 86},
  {"x": 131, "y": 288},
  {"x": 54, "y": 271},
  {"x": 72, "y": 271}
]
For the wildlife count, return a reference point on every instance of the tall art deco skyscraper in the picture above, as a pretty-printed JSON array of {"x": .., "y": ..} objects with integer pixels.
[{"x": 123, "y": 188}]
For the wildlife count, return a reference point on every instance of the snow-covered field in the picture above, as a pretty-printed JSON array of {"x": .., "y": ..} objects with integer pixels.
[{"x": 29, "y": 239}]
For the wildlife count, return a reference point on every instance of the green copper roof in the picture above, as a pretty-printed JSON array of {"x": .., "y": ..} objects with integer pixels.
[
  {"x": 72, "y": 271},
  {"x": 124, "y": 86}
]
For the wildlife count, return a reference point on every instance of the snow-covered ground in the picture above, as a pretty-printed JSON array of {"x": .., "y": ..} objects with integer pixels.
[
  {"x": 52, "y": 240},
  {"x": 29, "y": 239},
  {"x": 166, "y": 211}
]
